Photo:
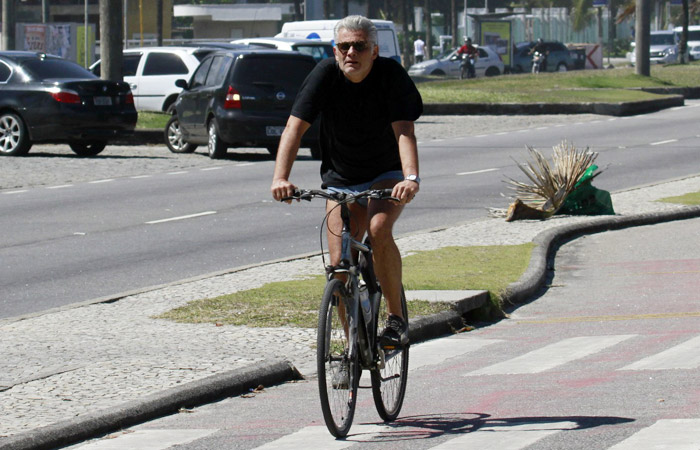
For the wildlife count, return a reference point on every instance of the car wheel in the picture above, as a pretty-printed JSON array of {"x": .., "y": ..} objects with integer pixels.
[
  {"x": 87, "y": 148},
  {"x": 217, "y": 148},
  {"x": 315, "y": 152},
  {"x": 174, "y": 139},
  {"x": 14, "y": 139},
  {"x": 438, "y": 73},
  {"x": 562, "y": 67},
  {"x": 492, "y": 71}
]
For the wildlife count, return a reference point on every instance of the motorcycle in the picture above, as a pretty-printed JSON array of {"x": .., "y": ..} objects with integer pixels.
[
  {"x": 537, "y": 61},
  {"x": 467, "y": 68}
]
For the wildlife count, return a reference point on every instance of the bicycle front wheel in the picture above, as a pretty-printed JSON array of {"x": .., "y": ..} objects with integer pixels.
[
  {"x": 338, "y": 372},
  {"x": 390, "y": 377}
]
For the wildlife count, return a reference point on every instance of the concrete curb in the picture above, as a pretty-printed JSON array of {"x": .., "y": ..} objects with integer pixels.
[
  {"x": 608, "y": 109},
  {"x": 547, "y": 242},
  {"x": 170, "y": 401}
]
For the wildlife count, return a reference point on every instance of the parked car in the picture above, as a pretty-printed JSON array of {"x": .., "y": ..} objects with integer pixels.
[
  {"x": 694, "y": 52},
  {"x": 317, "y": 49},
  {"x": 663, "y": 48},
  {"x": 559, "y": 58},
  {"x": 239, "y": 98},
  {"x": 152, "y": 71},
  {"x": 447, "y": 64},
  {"x": 47, "y": 99}
]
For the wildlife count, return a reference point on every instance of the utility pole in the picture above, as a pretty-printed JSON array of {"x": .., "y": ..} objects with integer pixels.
[
  {"x": 111, "y": 37},
  {"x": 159, "y": 21},
  {"x": 641, "y": 36},
  {"x": 45, "y": 13},
  {"x": 8, "y": 24}
]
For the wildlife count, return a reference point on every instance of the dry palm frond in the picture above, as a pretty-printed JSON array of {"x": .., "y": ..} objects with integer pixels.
[{"x": 551, "y": 184}]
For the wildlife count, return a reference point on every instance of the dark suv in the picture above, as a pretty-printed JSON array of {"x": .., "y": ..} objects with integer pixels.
[{"x": 239, "y": 98}]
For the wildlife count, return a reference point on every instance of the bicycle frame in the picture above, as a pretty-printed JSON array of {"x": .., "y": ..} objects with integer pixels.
[{"x": 361, "y": 316}]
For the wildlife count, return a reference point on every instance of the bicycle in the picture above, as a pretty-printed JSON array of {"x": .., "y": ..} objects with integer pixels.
[{"x": 349, "y": 325}]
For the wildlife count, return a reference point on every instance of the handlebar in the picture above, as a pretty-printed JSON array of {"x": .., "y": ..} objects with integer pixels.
[{"x": 340, "y": 197}]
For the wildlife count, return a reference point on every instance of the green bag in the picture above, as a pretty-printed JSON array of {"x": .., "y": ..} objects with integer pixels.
[{"x": 587, "y": 200}]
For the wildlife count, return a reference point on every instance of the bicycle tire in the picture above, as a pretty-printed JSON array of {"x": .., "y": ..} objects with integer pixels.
[
  {"x": 389, "y": 381},
  {"x": 337, "y": 403}
]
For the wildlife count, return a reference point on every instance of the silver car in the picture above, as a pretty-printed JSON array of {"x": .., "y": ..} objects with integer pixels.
[
  {"x": 447, "y": 64},
  {"x": 663, "y": 48}
]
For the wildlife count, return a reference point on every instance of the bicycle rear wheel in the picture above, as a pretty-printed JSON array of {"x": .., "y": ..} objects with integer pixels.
[
  {"x": 338, "y": 373},
  {"x": 389, "y": 380}
]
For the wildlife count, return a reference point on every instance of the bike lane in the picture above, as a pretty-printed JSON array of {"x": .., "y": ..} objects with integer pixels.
[{"x": 607, "y": 357}]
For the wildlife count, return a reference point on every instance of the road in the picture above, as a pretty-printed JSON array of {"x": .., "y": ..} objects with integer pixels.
[
  {"x": 100, "y": 236},
  {"x": 607, "y": 358}
]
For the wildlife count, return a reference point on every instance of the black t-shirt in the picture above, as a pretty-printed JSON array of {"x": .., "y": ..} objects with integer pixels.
[{"x": 357, "y": 140}]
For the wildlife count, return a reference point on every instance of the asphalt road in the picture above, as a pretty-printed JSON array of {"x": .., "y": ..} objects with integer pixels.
[{"x": 113, "y": 226}]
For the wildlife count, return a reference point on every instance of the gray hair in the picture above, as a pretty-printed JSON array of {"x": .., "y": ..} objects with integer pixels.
[{"x": 357, "y": 23}]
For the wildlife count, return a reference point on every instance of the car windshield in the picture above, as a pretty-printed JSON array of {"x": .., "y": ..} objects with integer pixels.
[
  {"x": 661, "y": 39},
  {"x": 318, "y": 52},
  {"x": 50, "y": 68},
  {"x": 261, "y": 70},
  {"x": 445, "y": 54}
]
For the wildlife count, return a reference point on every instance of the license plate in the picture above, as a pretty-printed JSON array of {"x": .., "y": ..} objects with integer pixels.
[
  {"x": 103, "y": 101},
  {"x": 274, "y": 131}
]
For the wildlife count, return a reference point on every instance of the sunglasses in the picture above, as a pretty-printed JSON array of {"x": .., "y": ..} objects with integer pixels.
[{"x": 359, "y": 46}]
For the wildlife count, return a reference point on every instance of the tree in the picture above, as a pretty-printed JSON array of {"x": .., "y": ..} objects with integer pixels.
[{"x": 111, "y": 37}]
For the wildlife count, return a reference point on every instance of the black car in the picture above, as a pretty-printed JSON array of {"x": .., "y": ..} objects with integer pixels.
[
  {"x": 239, "y": 98},
  {"x": 47, "y": 99}
]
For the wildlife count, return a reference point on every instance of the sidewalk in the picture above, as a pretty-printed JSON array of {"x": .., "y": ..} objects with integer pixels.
[{"x": 73, "y": 373}]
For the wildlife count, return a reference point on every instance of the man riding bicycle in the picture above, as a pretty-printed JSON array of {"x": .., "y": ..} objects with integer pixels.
[{"x": 367, "y": 105}]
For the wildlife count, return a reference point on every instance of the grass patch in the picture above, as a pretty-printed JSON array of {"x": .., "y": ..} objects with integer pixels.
[
  {"x": 149, "y": 119},
  {"x": 576, "y": 86},
  {"x": 295, "y": 303},
  {"x": 692, "y": 199}
]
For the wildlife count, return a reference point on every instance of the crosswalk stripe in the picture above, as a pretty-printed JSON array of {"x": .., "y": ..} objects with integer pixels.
[
  {"x": 506, "y": 436},
  {"x": 148, "y": 440},
  {"x": 682, "y": 356},
  {"x": 436, "y": 351},
  {"x": 311, "y": 438},
  {"x": 676, "y": 434},
  {"x": 552, "y": 355}
]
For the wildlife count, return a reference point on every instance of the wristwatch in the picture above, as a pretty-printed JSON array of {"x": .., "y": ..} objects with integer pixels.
[{"x": 413, "y": 177}]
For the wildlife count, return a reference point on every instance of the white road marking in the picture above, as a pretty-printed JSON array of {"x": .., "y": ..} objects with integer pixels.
[
  {"x": 506, "y": 436},
  {"x": 178, "y": 173},
  {"x": 682, "y": 356},
  {"x": 15, "y": 192},
  {"x": 189, "y": 216},
  {"x": 60, "y": 186},
  {"x": 676, "y": 434},
  {"x": 477, "y": 171},
  {"x": 552, "y": 355},
  {"x": 211, "y": 168},
  {"x": 101, "y": 181},
  {"x": 244, "y": 164},
  {"x": 148, "y": 440},
  {"x": 311, "y": 438},
  {"x": 664, "y": 142},
  {"x": 438, "y": 350}
]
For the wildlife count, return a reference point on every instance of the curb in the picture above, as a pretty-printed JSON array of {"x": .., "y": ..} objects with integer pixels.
[
  {"x": 547, "y": 242},
  {"x": 608, "y": 109},
  {"x": 153, "y": 406},
  {"x": 239, "y": 381}
]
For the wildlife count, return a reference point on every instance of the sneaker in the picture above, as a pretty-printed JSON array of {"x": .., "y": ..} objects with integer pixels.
[
  {"x": 341, "y": 378},
  {"x": 395, "y": 334}
]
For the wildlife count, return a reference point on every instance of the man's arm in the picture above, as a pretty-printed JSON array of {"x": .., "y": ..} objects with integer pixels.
[
  {"x": 286, "y": 155},
  {"x": 408, "y": 151}
]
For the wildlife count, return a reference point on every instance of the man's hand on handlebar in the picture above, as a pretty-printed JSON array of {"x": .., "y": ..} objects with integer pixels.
[
  {"x": 405, "y": 191},
  {"x": 282, "y": 189}
]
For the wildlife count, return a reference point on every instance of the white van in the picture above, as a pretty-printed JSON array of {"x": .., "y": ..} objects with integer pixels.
[
  {"x": 323, "y": 29},
  {"x": 693, "y": 35}
]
